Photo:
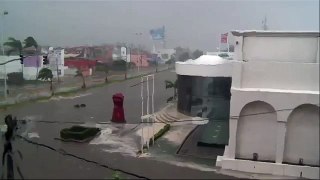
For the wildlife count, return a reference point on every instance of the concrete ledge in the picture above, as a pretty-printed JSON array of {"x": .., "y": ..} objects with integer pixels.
[{"x": 268, "y": 168}]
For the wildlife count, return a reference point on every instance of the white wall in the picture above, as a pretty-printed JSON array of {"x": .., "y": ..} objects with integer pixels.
[
  {"x": 318, "y": 50},
  {"x": 278, "y": 75},
  {"x": 219, "y": 70},
  {"x": 302, "y": 137},
  {"x": 285, "y": 49},
  {"x": 30, "y": 73},
  {"x": 257, "y": 134},
  {"x": 56, "y": 57},
  {"x": 238, "y": 48},
  {"x": 14, "y": 66}
]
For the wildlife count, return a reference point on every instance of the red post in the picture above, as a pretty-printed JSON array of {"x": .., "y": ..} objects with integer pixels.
[{"x": 118, "y": 111}]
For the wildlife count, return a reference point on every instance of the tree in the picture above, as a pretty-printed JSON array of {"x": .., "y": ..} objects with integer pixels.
[
  {"x": 184, "y": 56},
  {"x": 106, "y": 71},
  {"x": 29, "y": 42},
  {"x": 174, "y": 85},
  {"x": 196, "y": 54},
  {"x": 46, "y": 75},
  {"x": 14, "y": 44},
  {"x": 80, "y": 73}
]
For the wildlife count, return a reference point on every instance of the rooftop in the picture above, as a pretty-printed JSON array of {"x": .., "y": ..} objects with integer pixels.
[{"x": 259, "y": 33}]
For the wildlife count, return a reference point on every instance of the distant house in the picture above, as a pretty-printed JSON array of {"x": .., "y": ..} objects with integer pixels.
[
  {"x": 85, "y": 65},
  {"x": 102, "y": 54},
  {"x": 56, "y": 61},
  {"x": 141, "y": 60},
  {"x": 165, "y": 54}
]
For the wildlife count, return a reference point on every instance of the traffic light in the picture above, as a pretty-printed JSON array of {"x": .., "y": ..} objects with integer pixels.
[
  {"x": 21, "y": 59},
  {"x": 45, "y": 60}
]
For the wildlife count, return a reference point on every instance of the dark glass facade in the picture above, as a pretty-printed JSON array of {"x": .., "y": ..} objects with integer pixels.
[
  {"x": 204, "y": 96},
  {"x": 207, "y": 97}
]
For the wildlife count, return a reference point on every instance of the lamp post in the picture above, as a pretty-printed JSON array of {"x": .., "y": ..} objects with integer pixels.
[
  {"x": 140, "y": 58},
  {"x": 2, "y": 46}
]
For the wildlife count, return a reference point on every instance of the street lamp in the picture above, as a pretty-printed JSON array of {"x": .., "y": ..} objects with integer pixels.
[
  {"x": 140, "y": 58},
  {"x": 2, "y": 46}
]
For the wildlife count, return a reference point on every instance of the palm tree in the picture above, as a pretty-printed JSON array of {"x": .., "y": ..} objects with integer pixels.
[
  {"x": 14, "y": 44},
  {"x": 174, "y": 85},
  {"x": 29, "y": 42},
  {"x": 80, "y": 73},
  {"x": 46, "y": 74},
  {"x": 105, "y": 69}
]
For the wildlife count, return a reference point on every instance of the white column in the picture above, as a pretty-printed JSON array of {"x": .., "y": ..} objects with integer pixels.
[
  {"x": 281, "y": 134},
  {"x": 317, "y": 60},
  {"x": 282, "y": 117},
  {"x": 233, "y": 123}
]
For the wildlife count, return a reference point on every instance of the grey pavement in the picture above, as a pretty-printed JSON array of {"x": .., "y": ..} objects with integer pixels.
[{"x": 116, "y": 149}]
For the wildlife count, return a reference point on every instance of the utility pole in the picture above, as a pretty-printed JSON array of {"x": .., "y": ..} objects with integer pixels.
[
  {"x": 56, "y": 56},
  {"x": 2, "y": 38},
  {"x": 139, "y": 56}
]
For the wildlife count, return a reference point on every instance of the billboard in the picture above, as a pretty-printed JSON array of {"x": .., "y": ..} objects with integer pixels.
[{"x": 158, "y": 33}]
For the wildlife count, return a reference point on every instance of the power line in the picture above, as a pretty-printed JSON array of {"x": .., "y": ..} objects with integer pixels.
[{"x": 64, "y": 153}]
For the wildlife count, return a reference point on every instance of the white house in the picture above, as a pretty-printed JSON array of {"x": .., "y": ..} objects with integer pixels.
[
  {"x": 56, "y": 61},
  {"x": 30, "y": 67},
  {"x": 274, "y": 107},
  {"x": 165, "y": 54}
]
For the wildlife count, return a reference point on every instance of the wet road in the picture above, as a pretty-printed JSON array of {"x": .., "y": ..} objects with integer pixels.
[
  {"x": 98, "y": 102},
  {"x": 115, "y": 147}
]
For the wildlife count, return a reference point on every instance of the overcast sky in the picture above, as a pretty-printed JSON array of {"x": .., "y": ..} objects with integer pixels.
[{"x": 193, "y": 24}]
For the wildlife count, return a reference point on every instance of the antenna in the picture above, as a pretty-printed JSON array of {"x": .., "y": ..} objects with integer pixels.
[{"x": 264, "y": 23}]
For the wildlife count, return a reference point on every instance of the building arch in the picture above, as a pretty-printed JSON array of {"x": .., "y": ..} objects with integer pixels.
[
  {"x": 257, "y": 132},
  {"x": 302, "y": 136}
]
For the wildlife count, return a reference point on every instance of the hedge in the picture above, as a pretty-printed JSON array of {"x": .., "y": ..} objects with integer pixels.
[{"x": 78, "y": 132}]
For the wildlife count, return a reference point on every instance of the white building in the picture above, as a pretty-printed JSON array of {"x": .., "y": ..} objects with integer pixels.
[
  {"x": 29, "y": 68},
  {"x": 274, "y": 105},
  {"x": 56, "y": 61},
  {"x": 165, "y": 54},
  {"x": 274, "y": 108},
  {"x": 14, "y": 66}
]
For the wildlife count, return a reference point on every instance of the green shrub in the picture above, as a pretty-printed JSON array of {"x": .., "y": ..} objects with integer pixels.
[
  {"x": 78, "y": 132},
  {"x": 160, "y": 133}
]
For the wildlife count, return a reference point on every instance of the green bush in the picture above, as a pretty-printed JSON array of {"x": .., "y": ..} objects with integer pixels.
[
  {"x": 15, "y": 78},
  {"x": 160, "y": 133},
  {"x": 78, "y": 132}
]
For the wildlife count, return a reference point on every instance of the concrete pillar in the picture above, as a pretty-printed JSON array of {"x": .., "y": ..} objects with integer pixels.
[
  {"x": 317, "y": 60},
  {"x": 282, "y": 117},
  {"x": 281, "y": 135},
  {"x": 233, "y": 123}
]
